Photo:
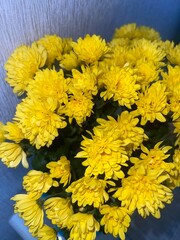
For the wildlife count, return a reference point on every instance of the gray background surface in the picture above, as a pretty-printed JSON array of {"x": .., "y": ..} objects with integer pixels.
[{"x": 23, "y": 21}]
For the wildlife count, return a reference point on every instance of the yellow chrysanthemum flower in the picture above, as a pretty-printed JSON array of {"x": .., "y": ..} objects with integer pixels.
[
  {"x": 122, "y": 41},
  {"x": 175, "y": 178},
  {"x": 36, "y": 183},
  {"x": 13, "y": 132},
  {"x": 125, "y": 129},
  {"x": 58, "y": 210},
  {"x": 152, "y": 104},
  {"x": 89, "y": 191},
  {"x": 145, "y": 191},
  {"x": 104, "y": 155},
  {"x": 173, "y": 53},
  {"x": 146, "y": 51},
  {"x": 79, "y": 107},
  {"x": 116, "y": 220},
  {"x": 23, "y": 65},
  {"x": 99, "y": 69},
  {"x": 2, "y": 137},
  {"x": 46, "y": 233},
  {"x": 126, "y": 31},
  {"x": 83, "y": 226},
  {"x": 147, "y": 72},
  {"x": 120, "y": 84},
  {"x": 153, "y": 159},
  {"x": 60, "y": 169},
  {"x": 12, "y": 154},
  {"x": 118, "y": 56},
  {"x": 70, "y": 61},
  {"x": 29, "y": 210},
  {"x": 67, "y": 47},
  {"x": 175, "y": 103},
  {"x": 84, "y": 81},
  {"x": 54, "y": 47},
  {"x": 90, "y": 49},
  {"x": 49, "y": 84},
  {"x": 132, "y": 31},
  {"x": 177, "y": 131},
  {"x": 38, "y": 121},
  {"x": 167, "y": 45},
  {"x": 171, "y": 78}
]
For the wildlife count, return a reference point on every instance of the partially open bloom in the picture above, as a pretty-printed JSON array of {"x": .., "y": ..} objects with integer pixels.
[
  {"x": 58, "y": 210},
  {"x": 116, "y": 220},
  {"x": 89, "y": 191},
  {"x": 67, "y": 45},
  {"x": 84, "y": 82},
  {"x": 83, "y": 226},
  {"x": 69, "y": 61},
  {"x": 99, "y": 69},
  {"x": 12, "y": 154},
  {"x": 104, "y": 155},
  {"x": 23, "y": 65},
  {"x": 54, "y": 47},
  {"x": 60, "y": 169},
  {"x": 152, "y": 104},
  {"x": 120, "y": 84},
  {"x": 13, "y": 132},
  {"x": 90, "y": 49},
  {"x": 29, "y": 210},
  {"x": 46, "y": 233},
  {"x": 79, "y": 107},
  {"x": 38, "y": 121},
  {"x": 145, "y": 191},
  {"x": 36, "y": 183}
]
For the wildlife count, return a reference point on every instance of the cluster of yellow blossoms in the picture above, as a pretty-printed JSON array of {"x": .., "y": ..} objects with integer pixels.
[{"x": 101, "y": 123}]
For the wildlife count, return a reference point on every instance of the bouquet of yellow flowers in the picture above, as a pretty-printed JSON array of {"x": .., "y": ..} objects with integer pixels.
[{"x": 100, "y": 124}]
